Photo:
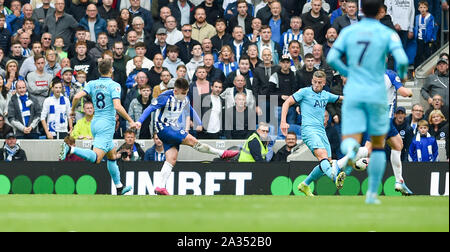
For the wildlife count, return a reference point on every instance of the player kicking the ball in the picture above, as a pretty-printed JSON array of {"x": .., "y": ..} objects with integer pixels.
[
  {"x": 312, "y": 101},
  {"x": 168, "y": 107},
  {"x": 105, "y": 95}
]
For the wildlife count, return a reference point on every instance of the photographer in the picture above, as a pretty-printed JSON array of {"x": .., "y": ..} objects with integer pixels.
[{"x": 130, "y": 150}]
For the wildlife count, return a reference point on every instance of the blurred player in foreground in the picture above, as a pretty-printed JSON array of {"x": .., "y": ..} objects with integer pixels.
[
  {"x": 105, "y": 95},
  {"x": 168, "y": 107},
  {"x": 366, "y": 46}
]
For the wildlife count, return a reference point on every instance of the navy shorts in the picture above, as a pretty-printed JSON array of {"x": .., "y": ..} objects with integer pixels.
[{"x": 172, "y": 137}]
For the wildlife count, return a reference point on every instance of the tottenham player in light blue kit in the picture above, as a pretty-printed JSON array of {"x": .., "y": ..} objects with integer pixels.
[
  {"x": 105, "y": 95},
  {"x": 312, "y": 101},
  {"x": 168, "y": 107},
  {"x": 366, "y": 46}
]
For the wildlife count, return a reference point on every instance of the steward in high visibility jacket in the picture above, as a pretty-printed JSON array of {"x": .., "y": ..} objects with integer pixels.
[{"x": 255, "y": 148}]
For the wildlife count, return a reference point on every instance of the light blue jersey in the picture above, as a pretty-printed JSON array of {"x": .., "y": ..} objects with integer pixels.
[
  {"x": 366, "y": 46},
  {"x": 312, "y": 105},
  {"x": 103, "y": 91}
]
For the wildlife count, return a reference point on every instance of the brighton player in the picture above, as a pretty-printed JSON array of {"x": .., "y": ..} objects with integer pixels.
[
  {"x": 168, "y": 107},
  {"x": 366, "y": 46},
  {"x": 393, "y": 138},
  {"x": 312, "y": 101},
  {"x": 105, "y": 95}
]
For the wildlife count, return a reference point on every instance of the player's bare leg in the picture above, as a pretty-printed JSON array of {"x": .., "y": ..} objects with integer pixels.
[{"x": 205, "y": 148}]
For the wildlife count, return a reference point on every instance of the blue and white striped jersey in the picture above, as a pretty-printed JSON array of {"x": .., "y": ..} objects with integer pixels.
[{"x": 393, "y": 83}]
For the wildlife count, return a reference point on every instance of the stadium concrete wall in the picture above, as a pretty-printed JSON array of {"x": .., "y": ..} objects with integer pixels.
[{"x": 207, "y": 178}]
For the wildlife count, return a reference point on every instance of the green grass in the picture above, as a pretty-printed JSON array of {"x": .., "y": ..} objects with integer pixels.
[{"x": 221, "y": 213}]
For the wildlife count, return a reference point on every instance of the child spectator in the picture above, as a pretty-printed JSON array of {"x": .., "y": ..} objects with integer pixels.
[
  {"x": 425, "y": 31},
  {"x": 424, "y": 147},
  {"x": 59, "y": 45}
]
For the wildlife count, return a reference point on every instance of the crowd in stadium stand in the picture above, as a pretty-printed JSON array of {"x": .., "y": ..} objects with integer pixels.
[{"x": 231, "y": 51}]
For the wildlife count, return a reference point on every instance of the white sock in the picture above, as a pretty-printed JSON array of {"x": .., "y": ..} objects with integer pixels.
[
  {"x": 396, "y": 163},
  {"x": 204, "y": 148},
  {"x": 342, "y": 162},
  {"x": 166, "y": 170},
  {"x": 362, "y": 153}
]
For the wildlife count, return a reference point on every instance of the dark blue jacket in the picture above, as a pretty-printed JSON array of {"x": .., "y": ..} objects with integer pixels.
[{"x": 100, "y": 24}]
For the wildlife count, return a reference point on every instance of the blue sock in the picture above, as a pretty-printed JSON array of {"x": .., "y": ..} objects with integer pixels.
[
  {"x": 315, "y": 174},
  {"x": 85, "y": 154},
  {"x": 376, "y": 169},
  {"x": 349, "y": 144},
  {"x": 113, "y": 169},
  {"x": 326, "y": 168}
]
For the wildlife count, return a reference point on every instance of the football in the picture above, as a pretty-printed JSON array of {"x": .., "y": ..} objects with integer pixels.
[{"x": 361, "y": 164}]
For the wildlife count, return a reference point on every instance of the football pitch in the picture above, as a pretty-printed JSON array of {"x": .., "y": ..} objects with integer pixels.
[{"x": 77, "y": 213}]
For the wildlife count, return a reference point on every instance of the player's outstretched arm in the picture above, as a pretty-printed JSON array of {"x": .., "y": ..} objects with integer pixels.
[
  {"x": 405, "y": 92},
  {"x": 284, "y": 111},
  {"x": 122, "y": 112},
  {"x": 334, "y": 60},
  {"x": 76, "y": 100}
]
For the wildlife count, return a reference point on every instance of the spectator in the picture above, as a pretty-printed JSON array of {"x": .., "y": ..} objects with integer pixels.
[
  {"x": 52, "y": 66},
  {"x": 239, "y": 43},
  {"x": 384, "y": 17},
  {"x": 294, "y": 33},
  {"x": 213, "y": 73},
  {"x": 243, "y": 18},
  {"x": 282, "y": 83},
  {"x": 213, "y": 11},
  {"x": 82, "y": 129},
  {"x": 351, "y": 16},
  {"x": 307, "y": 41},
  {"x": 195, "y": 62},
  {"x": 164, "y": 12},
  {"x": 141, "y": 80},
  {"x": 77, "y": 8},
  {"x": 163, "y": 86},
  {"x": 402, "y": 14},
  {"x": 16, "y": 53},
  {"x": 255, "y": 148},
  {"x": 77, "y": 87},
  {"x": 60, "y": 24},
  {"x": 437, "y": 83},
  {"x": 80, "y": 36},
  {"x": 226, "y": 62},
  {"x": 112, "y": 32},
  {"x": 100, "y": 47},
  {"x": 207, "y": 48},
  {"x": 278, "y": 23},
  {"x": 186, "y": 44},
  {"x": 438, "y": 125},
  {"x": 339, "y": 11},
  {"x": 24, "y": 113},
  {"x": 240, "y": 119},
  {"x": 5, "y": 129},
  {"x": 38, "y": 82},
  {"x": 5, "y": 97},
  {"x": 28, "y": 64},
  {"x": 335, "y": 109},
  {"x": 5, "y": 34},
  {"x": 84, "y": 62},
  {"x": 156, "y": 153},
  {"x": 131, "y": 42},
  {"x": 120, "y": 128},
  {"x": 41, "y": 13},
  {"x": 321, "y": 64},
  {"x": 154, "y": 75},
  {"x": 262, "y": 75},
  {"x": 295, "y": 52},
  {"x": 267, "y": 42},
  {"x": 416, "y": 115},
  {"x": 309, "y": 6},
  {"x": 201, "y": 29},
  {"x": 438, "y": 104},
  {"x": 55, "y": 117},
  {"x": 173, "y": 34},
  {"x": 142, "y": 34},
  {"x": 136, "y": 10},
  {"x": 287, "y": 149},
  {"x": 59, "y": 48},
  {"x": 331, "y": 36},
  {"x": 137, "y": 106},
  {"x": 11, "y": 151},
  {"x": 239, "y": 87},
  {"x": 253, "y": 56},
  {"x": 182, "y": 10},
  {"x": 318, "y": 20},
  {"x": 424, "y": 147},
  {"x": 405, "y": 131},
  {"x": 137, "y": 62},
  {"x": 256, "y": 30},
  {"x": 200, "y": 86},
  {"x": 212, "y": 112},
  {"x": 130, "y": 150},
  {"x": 160, "y": 46},
  {"x": 119, "y": 65},
  {"x": 12, "y": 75},
  {"x": 231, "y": 8},
  {"x": 15, "y": 19},
  {"x": 92, "y": 22},
  {"x": 106, "y": 10},
  {"x": 244, "y": 70},
  {"x": 124, "y": 21},
  {"x": 222, "y": 37},
  {"x": 425, "y": 32},
  {"x": 141, "y": 51},
  {"x": 172, "y": 61},
  {"x": 305, "y": 74}
]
